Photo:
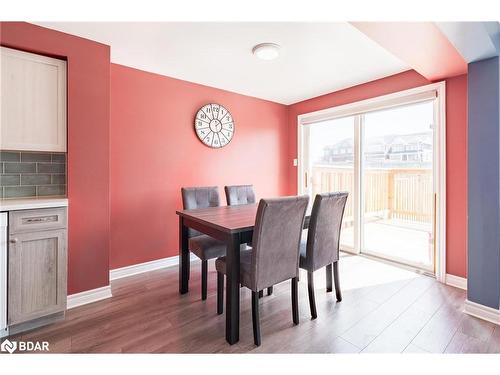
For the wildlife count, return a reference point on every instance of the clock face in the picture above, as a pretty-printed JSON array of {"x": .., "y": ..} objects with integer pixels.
[{"x": 214, "y": 125}]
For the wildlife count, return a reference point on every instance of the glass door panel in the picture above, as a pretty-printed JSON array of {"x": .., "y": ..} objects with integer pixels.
[
  {"x": 397, "y": 184},
  {"x": 330, "y": 155}
]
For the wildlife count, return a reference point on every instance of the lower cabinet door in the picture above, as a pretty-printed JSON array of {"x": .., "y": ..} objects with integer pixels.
[{"x": 37, "y": 275}]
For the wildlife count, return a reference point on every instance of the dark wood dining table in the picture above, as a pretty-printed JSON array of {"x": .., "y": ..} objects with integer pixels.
[{"x": 232, "y": 225}]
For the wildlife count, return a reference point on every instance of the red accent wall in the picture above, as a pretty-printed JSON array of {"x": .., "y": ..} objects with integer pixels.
[
  {"x": 456, "y": 175},
  {"x": 155, "y": 151},
  {"x": 88, "y": 146},
  {"x": 456, "y": 144}
]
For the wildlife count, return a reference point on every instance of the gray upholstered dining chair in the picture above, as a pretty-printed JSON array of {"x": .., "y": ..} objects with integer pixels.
[
  {"x": 239, "y": 194},
  {"x": 242, "y": 194},
  {"x": 203, "y": 246},
  {"x": 274, "y": 256},
  {"x": 321, "y": 248}
]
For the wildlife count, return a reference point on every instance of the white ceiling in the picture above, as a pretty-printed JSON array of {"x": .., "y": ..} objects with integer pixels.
[
  {"x": 315, "y": 59},
  {"x": 473, "y": 40}
]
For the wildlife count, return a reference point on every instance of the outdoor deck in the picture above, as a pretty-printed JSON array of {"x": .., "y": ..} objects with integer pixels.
[
  {"x": 398, "y": 207},
  {"x": 397, "y": 240}
]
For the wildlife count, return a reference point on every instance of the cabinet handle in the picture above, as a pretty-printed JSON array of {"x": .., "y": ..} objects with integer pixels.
[
  {"x": 36, "y": 220},
  {"x": 14, "y": 240},
  {"x": 41, "y": 219}
]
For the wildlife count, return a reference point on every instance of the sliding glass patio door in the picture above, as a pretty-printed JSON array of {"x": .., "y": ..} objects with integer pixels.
[
  {"x": 331, "y": 155},
  {"x": 397, "y": 185},
  {"x": 385, "y": 159}
]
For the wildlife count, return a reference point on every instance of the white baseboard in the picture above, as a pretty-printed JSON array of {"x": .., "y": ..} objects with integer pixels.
[
  {"x": 456, "y": 281},
  {"x": 136, "y": 269},
  {"x": 98, "y": 294},
  {"x": 482, "y": 312},
  {"x": 88, "y": 296}
]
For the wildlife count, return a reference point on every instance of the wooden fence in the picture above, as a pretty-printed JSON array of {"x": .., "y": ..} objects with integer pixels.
[{"x": 404, "y": 194}]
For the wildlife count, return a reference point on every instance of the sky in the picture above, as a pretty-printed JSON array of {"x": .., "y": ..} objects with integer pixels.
[{"x": 414, "y": 118}]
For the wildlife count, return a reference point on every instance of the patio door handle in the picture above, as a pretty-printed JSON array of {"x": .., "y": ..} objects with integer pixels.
[
  {"x": 434, "y": 222},
  {"x": 306, "y": 179}
]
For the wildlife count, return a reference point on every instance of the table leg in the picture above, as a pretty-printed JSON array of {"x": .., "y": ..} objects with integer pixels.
[
  {"x": 233, "y": 289},
  {"x": 183, "y": 258}
]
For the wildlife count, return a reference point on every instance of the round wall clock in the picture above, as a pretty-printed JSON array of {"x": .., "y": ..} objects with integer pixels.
[{"x": 214, "y": 125}]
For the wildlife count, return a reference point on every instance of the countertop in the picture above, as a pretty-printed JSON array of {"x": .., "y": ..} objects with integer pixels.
[{"x": 31, "y": 203}]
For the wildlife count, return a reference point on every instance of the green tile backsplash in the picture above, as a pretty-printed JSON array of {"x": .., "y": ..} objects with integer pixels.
[{"x": 32, "y": 174}]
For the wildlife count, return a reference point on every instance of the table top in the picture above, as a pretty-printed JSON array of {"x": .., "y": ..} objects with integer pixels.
[{"x": 229, "y": 219}]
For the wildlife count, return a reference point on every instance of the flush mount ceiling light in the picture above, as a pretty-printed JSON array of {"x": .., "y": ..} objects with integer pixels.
[{"x": 266, "y": 51}]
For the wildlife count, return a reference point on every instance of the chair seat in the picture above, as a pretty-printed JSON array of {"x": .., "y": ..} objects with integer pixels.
[
  {"x": 245, "y": 264},
  {"x": 206, "y": 247},
  {"x": 304, "y": 262}
]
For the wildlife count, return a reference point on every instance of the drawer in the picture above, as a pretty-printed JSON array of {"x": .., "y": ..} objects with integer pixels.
[{"x": 36, "y": 220}]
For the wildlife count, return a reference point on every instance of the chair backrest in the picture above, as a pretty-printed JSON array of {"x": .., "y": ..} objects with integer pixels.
[
  {"x": 276, "y": 240},
  {"x": 199, "y": 197},
  {"x": 239, "y": 194},
  {"x": 324, "y": 229}
]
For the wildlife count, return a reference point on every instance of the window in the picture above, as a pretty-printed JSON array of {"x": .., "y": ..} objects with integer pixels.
[{"x": 395, "y": 183}]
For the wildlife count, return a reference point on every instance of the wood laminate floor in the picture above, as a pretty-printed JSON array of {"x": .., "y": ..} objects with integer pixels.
[{"x": 384, "y": 309}]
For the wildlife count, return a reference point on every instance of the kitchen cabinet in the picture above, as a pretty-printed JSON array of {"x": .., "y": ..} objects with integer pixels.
[
  {"x": 33, "y": 102},
  {"x": 37, "y": 264}
]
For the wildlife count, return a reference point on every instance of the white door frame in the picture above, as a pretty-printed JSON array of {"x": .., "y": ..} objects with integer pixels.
[{"x": 435, "y": 91}]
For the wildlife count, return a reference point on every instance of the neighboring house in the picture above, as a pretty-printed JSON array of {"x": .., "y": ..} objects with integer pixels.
[{"x": 409, "y": 150}]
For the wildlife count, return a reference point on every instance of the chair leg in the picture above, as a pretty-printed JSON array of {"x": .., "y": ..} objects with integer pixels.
[
  {"x": 261, "y": 293},
  {"x": 336, "y": 280},
  {"x": 295, "y": 300},
  {"x": 310, "y": 289},
  {"x": 220, "y": 293},
  {"x": 255, "y": 318},
  {"x": 204, "y": 276},
  {"x": 329, "y": 286},
  {"x": 269, "y": 290}
]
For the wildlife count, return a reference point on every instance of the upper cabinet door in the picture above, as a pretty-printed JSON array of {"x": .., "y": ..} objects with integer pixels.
[{"x": 33, "y": 102}]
